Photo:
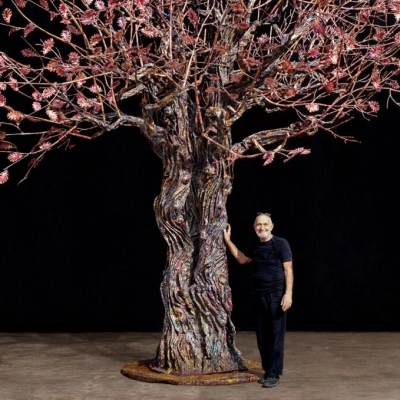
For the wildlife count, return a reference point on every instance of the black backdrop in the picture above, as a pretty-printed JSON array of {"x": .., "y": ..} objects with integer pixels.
[{"x": 80, "y": 250}]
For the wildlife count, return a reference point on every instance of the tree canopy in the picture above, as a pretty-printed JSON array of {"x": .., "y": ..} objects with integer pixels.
[{"x": 78, "y": 69}]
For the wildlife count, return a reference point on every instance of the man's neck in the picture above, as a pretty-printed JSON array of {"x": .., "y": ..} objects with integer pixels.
[{"x": 266, "y": 239}]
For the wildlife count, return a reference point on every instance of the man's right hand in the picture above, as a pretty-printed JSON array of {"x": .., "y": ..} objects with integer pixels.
[{"x": 227, "y": 233}]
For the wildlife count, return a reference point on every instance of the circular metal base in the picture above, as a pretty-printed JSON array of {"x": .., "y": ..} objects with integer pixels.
[{"x": 140, "y": 371}]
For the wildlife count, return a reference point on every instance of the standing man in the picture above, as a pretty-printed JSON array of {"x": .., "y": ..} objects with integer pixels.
[{"x": 271, "y": 260}]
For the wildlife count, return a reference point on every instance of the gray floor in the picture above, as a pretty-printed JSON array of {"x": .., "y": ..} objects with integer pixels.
[{"x": 318, "y": 366}]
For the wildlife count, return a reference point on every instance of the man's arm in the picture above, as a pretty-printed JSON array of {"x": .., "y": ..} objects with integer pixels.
[
  {"x": 286, "y": 302},
  {"x": 237, "y": 254}
]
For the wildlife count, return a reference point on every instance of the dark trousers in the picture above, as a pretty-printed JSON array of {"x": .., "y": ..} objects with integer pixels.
[{"x": 270, "y": 331}]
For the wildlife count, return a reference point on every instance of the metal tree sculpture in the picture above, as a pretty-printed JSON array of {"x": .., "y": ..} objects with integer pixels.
[{"x": 195, "y": 66}]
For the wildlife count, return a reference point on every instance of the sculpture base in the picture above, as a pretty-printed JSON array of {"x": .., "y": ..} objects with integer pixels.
[{"x": 140, "y": 371}]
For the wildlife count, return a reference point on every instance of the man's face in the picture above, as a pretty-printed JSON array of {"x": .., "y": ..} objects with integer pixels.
[{"x": 263, "y": 227}]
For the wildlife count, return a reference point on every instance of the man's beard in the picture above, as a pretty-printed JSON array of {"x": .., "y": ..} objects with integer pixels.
[{"x": 263, "y": 235}]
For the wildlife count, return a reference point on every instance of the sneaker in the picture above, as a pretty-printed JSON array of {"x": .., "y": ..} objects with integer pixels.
[
  {"x": 271, "y": 381},
  {"x": 263, "y": 379}
]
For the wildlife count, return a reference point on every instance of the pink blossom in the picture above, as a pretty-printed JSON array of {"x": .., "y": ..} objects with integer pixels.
[
  {"x": 7, "y": 14},
  {"x": 333, "y": 59},
  {"x": 3, "y": 177},
  {"x": 374, "y": 106},
  {"x": 48, "y": 92},
  {"x": 14, "y": 156},
  {"x": 99, "y": 5},
  {"x": 268, "y": 157},
  {"x": 63, "y": 10},
  {"x": 375, "y": 51},
  {"x": 337, "y": 31},
  {"x": 312, "y": 107},
  {"x": 319, "y": 27},
  {"x": 53, "y": 116},
  {"x": 13, "y": 83},
  {"x": 338, "y": 73},
  {"x": 89, "y": 17},
  {"x": 66, "y": 35},
  {"x": 350, "y": 43},
  {"x": 263, "y": 39},
  {"x": 364, "y": 15},
  {"x": 48, "y": 45},
  {"x": 96, "y": 108},
  {"x": 73, "y": 57},
  {"x": 192, "y": 16},
  {"x": 394, "y": 7},
  {"x": 251, "y": 62},
  {"x": 83, "y": 101},
  {"x": 291, "y": 92},
  {"x": 16, "y": 116},
  {"x": 296, "y": 151},
  {"x": 28, "y": 29},
  {"x": 376, "y": 83},
  {"x": 381, "y": 5},
  {"x": 45, "y": 146},
  {"x": 2, "y": 100},
  {"x": 95, "y": 89},
  {"x": 28, "y": 53},
  {"x": 58, "y": 104},
  {"x": 110, "y": 96},
  {"x": 36, "y": 96},
  {"x": 81, "y": 80},
  {"x": 380, "y": 34},
  {"x": 150, "y": 32},
  {"x": 299, "y": 150},
  {"x": 36, "y": 106},
  {"x": 313, "y": 52},
  {"x": 121, "y": 22}
]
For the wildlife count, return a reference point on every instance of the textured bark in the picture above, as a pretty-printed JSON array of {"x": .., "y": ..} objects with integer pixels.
[{"x": 198, "y": 335}]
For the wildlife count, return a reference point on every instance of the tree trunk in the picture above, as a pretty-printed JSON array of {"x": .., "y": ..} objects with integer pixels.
[{"x": 198, "y": 335}]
